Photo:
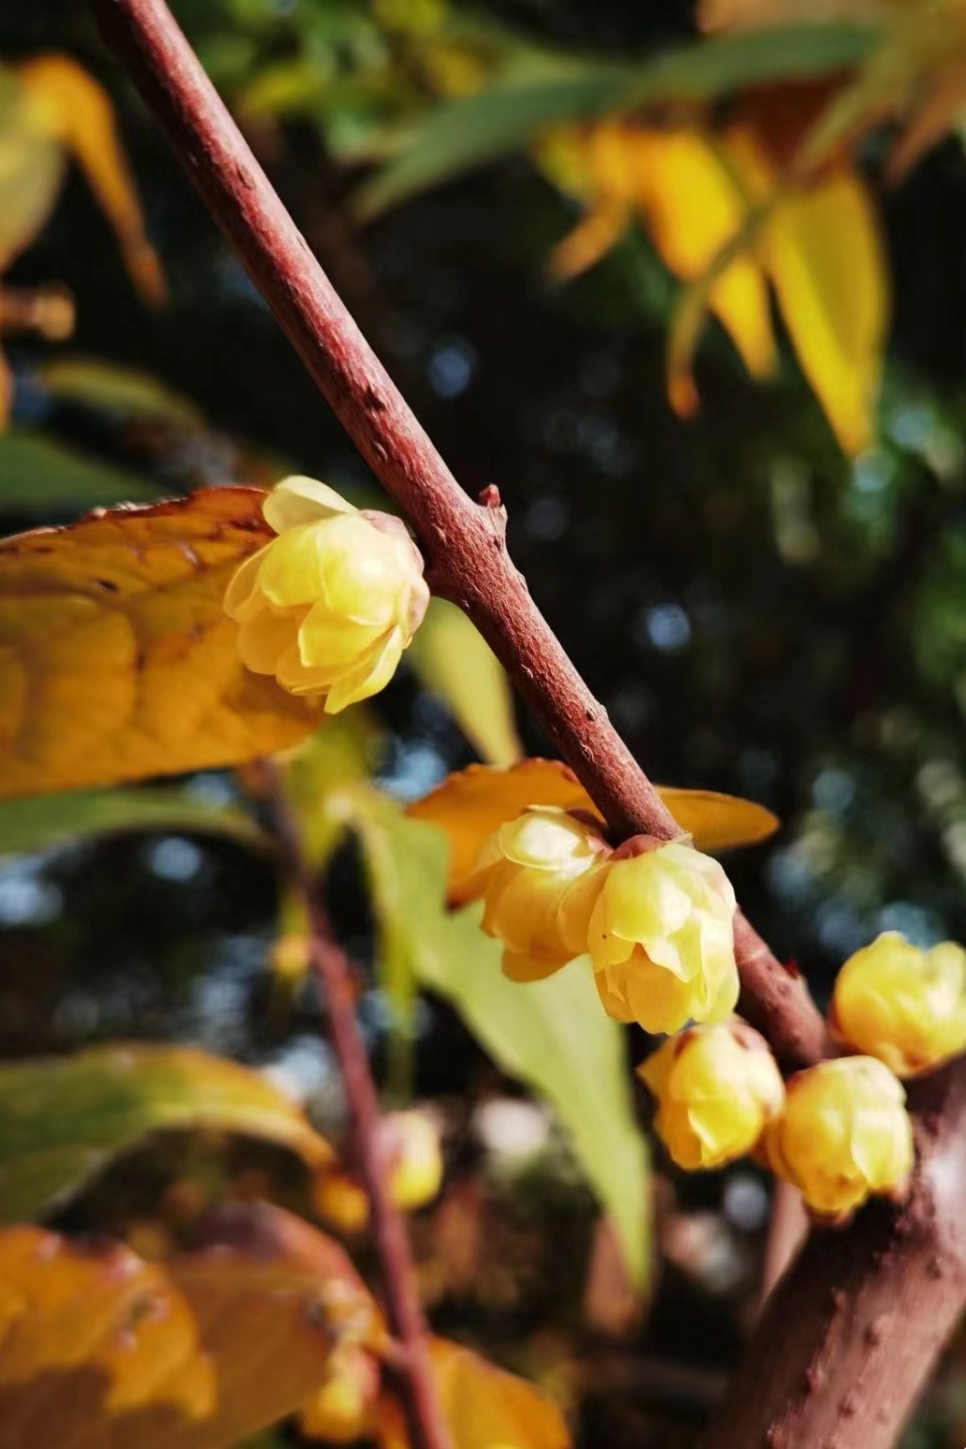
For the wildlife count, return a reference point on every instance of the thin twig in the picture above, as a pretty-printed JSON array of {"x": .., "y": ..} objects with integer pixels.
[
  {"x": 464, "y": 542},
  {"x": 396, "y": 1266}
]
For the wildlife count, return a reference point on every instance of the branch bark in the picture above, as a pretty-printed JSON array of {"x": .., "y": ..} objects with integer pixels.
[
  {"x": 463, "y": 542},
  {"x": 849, "y": 1336},
  {"x": 404, "y": 1310},
  {"x": 852, "y": 1330}
]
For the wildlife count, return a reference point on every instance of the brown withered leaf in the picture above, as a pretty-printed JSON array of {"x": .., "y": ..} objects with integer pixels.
[
  {"x": 117, "y": 661},
  {"x": 99, "y": 1348}
]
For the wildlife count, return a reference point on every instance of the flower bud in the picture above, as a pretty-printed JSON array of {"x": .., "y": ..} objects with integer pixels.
[
  {"x": 330, "y": 604},
  {"x": 903, "y": 1005},
  {"x": 538, "y": 879},
  {"x": 342, "y": 1410},
  {"x": 717, "y": 1088},
  {"x": 661, "y": 939},
  {"x": 844, "y": 1135},
  {"x": 414, "y": 1160}
]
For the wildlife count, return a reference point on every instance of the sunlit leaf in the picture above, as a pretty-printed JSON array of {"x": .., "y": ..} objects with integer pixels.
[
  {"x": 68, "y": 106},
  {"x": 552, "y": 1034},
  {"x": 472, "y": 803},
  {"x": 40, "y": 821},
  {"x": 513, "y": 112},
  {"x": 484, "y": 1406},
  {"x": 62, "y": 1120},
  {"x": 31, "y": 170},
  {"x": 824, "y": 255},
  {"x": 117, "y": 660},
  {"x": 693, "y": 205},
  {"x": 454, "y": 660},
  {"x": 37, "y": 473},
  {"x": 97, "y": 1346}
]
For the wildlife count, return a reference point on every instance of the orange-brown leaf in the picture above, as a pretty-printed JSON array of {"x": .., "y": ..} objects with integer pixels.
[
  {"x": 469, "y": 805},
  {"x": 117, "y": 661},
  {"x": 98, "y": 1347},
  {"x": 484, "y": 1406}
]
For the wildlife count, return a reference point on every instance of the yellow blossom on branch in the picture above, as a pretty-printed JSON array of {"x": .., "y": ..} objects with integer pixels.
[
  {"x": 661, "y": 939},
  {"x": 717, "y": 1087},
  {"x": 330, "y": 604},
  {"x": 538, "y": 876},
  {"x": 843, "y": 1136},
  {"x": 901, "y": 1004}
]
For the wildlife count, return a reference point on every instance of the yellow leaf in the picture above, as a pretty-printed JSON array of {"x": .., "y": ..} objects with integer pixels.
[
  {"x": 97, "y": 1346},
  {"x": 484, "y": 1407},
  {"x": 31, "y": 170},
  {"x": 69, "y": 107},
  {"x": 823, "y": 253},
  {"x": 693, "y": 205},
  {"x": 471, "y": 804},
  {"x": 716, "y": 821},
  {"x": 117, "y": 660}
]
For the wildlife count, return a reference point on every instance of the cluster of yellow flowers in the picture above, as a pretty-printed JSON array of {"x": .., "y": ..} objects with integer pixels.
[
  {"x": 838, "y": 1131},
  {"x": 328, "y": 607},
  {"x": 657, "y": 923}
]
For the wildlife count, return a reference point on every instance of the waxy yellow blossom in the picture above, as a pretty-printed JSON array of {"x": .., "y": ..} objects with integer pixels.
[
  {"x": 717, "y": 1087},
  {"x": 538, "y": 875},
  {"x": 661, "y": 939},
  {"x": 903, "y": 1005},
  {"x": 329, "y": 606},
  {"x": 843, "y": 1136}
]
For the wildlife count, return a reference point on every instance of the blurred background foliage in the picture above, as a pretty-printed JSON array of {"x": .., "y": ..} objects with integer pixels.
[{"x": 759, "y": 614}]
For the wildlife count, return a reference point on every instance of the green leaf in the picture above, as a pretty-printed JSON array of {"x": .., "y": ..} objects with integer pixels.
[
  {"x": 126, "y": 391},
  {"x": 61, "y": 1121},
  {"x": 38, "y": 474},
  {"x": 460, "y": 135},
  {"x": 39, "y": 821},
  {"x": 552, "y": 1035},
  {"x": 454, "y": 660}
]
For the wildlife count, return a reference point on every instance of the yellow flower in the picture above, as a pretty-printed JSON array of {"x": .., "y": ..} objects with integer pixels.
[
  {"x": 411, "y": 1146},
  {"x": 905, "y": 1006},
  {"x": 538, "y": 881},
  {"x": 844, "y": 1135},
  {"x": 661, "y": 939},
  {"x": 342, "y": 1410},
  {"x": 717, "y": 1087},
  {"x": 329, "y": 606}
]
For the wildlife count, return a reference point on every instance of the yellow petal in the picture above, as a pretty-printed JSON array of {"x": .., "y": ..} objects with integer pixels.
[
  {"x": 298, "y": 500},
  {"x": 824, "y": 255},
  {"x": 369, "y": 676}
]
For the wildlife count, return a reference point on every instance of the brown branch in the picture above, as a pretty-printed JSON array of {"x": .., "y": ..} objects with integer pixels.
[
  {"x": 850, "y": 1334},
  {"x": 464, "y": 542},
  {"x": 404, "y": 1310}
]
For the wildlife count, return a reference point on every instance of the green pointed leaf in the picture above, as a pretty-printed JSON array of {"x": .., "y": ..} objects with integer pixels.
[
  {"x": 38, "y": 474},
  {"x": 61, "y": 1121},
  {"x": 454, "y": 660},
  {"x": 463, "y": 134},
  {"x": 553, "y": 1035},
  {"x": 40, "y": 821}
]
